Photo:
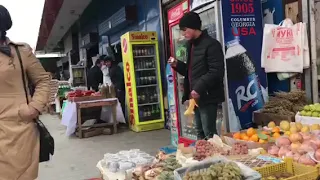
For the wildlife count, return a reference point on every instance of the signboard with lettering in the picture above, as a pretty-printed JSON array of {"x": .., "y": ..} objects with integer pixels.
[
  {"x": 177, "y": 12},
  {"x": 247, "y": 84},
  {"x": 143, "y": 36}
]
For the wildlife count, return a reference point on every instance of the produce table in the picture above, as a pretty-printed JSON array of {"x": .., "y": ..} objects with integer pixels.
[
  {"x": 96, "y": 103},
  {"x": 110, "y": 113}
]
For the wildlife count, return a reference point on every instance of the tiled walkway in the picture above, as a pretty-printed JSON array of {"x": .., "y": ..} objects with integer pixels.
[{"x": 76, "y": 159}]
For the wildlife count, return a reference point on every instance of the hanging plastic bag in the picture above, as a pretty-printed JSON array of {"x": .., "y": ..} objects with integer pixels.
[
  {"x": 190, "y": 110},
  {"x": 283, "y": 48}
]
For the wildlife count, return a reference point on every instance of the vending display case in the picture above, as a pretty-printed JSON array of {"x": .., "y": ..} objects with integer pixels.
[{"x": 143, "y": 81}]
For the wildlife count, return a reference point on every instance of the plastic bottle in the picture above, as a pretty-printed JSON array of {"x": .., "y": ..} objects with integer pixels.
[{"x": 243, "y": 81}]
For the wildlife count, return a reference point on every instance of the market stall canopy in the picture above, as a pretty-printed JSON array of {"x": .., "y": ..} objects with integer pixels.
[{"x": 57, "y": 20}]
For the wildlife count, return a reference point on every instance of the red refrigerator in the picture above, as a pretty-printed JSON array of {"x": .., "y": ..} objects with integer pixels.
[{"x": 186, "y": 130}]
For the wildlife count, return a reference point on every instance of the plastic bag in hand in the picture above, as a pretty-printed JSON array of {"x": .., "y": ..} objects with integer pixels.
[{"x": 190, "y": 110}]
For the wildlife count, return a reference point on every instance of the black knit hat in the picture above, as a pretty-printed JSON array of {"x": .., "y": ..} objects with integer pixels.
[
  {"x": 5, "y": 19},
  {"x": 190, "y": 20}
]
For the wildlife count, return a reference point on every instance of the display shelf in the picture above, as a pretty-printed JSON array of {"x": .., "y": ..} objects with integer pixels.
[
  {"x": 146, "y": 86},
  {"x": 147, "y": 56},
  {"x": 147, "y": 69}
]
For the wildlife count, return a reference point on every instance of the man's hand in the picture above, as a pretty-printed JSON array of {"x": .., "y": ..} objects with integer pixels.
[
  {"x": 172, "y": 61},
  {"x": 194, "y": 94}
]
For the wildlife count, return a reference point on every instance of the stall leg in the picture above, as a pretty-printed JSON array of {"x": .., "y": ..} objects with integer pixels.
[
  {"x": 79, "y": 122},
  {"x": 114, "y": 115}
]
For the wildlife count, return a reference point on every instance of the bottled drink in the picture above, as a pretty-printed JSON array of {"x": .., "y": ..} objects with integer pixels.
[
  {"x": 148, "y": 111},
  {"x": 153, "y": 111},
  {"x": 145, "y": 112},
  {"x": 145, "y": 51},
  {"x": 243, "y": 82}
]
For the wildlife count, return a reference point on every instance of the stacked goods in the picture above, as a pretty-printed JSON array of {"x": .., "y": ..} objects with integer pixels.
[
  {"x": 162, "y": 170},
  {"x": 229, "y": 170},
  {"x": 238, "y": 149},
  {"x": 290, "y": 127},
  {"x": 297, "y": 146},
  {"x": 169, "y": 165},
  {"x": 205, "y": 149},
  {"x": 254, "y": 135},
  {"x": 80, "y": 93},
  {"x": 312, "y": 110},
  {"x": 287, "y": 104},
  {"x": 125, "y": 160}
]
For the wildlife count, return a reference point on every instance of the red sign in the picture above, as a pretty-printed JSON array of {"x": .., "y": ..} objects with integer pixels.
[
  {"x": 176, "y": 13},
  {"x": 140, "y": 36},
  {"x": 125, "y": 45},
  {"x": 130, "y": 96}
]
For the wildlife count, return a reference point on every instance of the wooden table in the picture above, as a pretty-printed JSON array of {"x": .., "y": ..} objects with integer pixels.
[{"x": 113, "y": 102}]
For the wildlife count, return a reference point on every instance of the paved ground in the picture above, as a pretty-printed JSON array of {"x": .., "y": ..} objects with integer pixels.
[{"x": 75, "y": 159}]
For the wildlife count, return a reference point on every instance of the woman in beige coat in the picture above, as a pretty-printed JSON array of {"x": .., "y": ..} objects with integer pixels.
[{"x": 19, "y": 139}]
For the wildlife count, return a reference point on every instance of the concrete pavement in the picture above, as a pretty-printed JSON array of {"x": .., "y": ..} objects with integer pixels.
[{"x": 76, "y": 159}]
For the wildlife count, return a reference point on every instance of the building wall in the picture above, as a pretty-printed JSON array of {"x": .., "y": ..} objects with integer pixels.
[
  {"x": 148, "y": 20},
  {"x": 67, "y": 42}
]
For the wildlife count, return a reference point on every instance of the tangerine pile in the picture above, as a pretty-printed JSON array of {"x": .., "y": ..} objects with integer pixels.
[{"x": 252, "y": 135}]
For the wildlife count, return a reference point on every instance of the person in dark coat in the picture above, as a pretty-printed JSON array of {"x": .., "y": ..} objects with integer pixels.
[
  {"x": 95, "y": 76},
  {"x": 117, "y": 79},
  {"x": 203, "y": 72}
]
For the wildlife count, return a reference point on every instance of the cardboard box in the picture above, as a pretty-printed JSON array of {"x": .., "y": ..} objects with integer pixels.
[{"x": 262, "y": 119}]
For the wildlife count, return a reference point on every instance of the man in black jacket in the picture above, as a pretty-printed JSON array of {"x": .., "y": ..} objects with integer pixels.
[
  {"x": 95, "y": 76},
  {"x": 203, "y": 72},
  {"x": 117, "y": 79}
]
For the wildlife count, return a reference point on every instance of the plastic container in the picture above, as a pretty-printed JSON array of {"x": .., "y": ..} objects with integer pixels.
[
  {"x": 300, "y": 171},
  {"x": 180, "y": 173}
]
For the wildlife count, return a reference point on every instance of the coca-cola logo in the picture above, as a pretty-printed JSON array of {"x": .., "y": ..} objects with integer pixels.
[
  {"x": 139, "y": 36},
  {"x": 175, "y": 13}
]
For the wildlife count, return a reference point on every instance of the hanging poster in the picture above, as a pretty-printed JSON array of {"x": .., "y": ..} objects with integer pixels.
[
  {"x": 247, "y": 84},
  {"x": 172, "y": 107}
]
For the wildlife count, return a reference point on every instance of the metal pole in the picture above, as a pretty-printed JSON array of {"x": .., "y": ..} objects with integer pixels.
[{"x": 313, "y": 51}]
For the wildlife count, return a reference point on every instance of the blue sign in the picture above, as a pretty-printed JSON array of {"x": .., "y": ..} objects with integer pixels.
[
  {"x": 247, "y": 83},
  {"x": 172, "y": 107}
]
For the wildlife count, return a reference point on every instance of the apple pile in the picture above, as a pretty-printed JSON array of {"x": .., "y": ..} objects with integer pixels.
[{"x": 312, "y": 110}]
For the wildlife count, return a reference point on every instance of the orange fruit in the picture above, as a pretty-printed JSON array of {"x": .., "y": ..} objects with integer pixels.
[
  {"x": 237, "y": 135},
  {"x": 242, "y": 135},
  {"x": 276, "y": 130},
  {"x": 276, "y": 135},
  {"x": 265, "y": 132},
  {"x": 254, "y": 138},
  {"x": 261, "y": 141},
  {"x": 245, "y": 138},
  {"x": 251, "y": 132}
]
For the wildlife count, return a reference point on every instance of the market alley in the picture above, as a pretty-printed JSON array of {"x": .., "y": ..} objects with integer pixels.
[{"x": 76, "y": 159}]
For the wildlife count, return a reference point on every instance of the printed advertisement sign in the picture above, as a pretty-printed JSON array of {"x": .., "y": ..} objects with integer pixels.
[
  {"x": 247, "y": 84},
  {"x": 172, "y": 107}
]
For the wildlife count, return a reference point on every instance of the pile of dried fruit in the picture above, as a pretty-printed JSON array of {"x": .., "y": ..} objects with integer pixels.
[
  {"x": 278, "y": 176},
  {"x": 205, "y": 149},
  {"x": 228, "y": 170},
  {"x": 169, "y": 165},
  {"x": 238, "y": 149},
  {"x": 286, "y": 103}
]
